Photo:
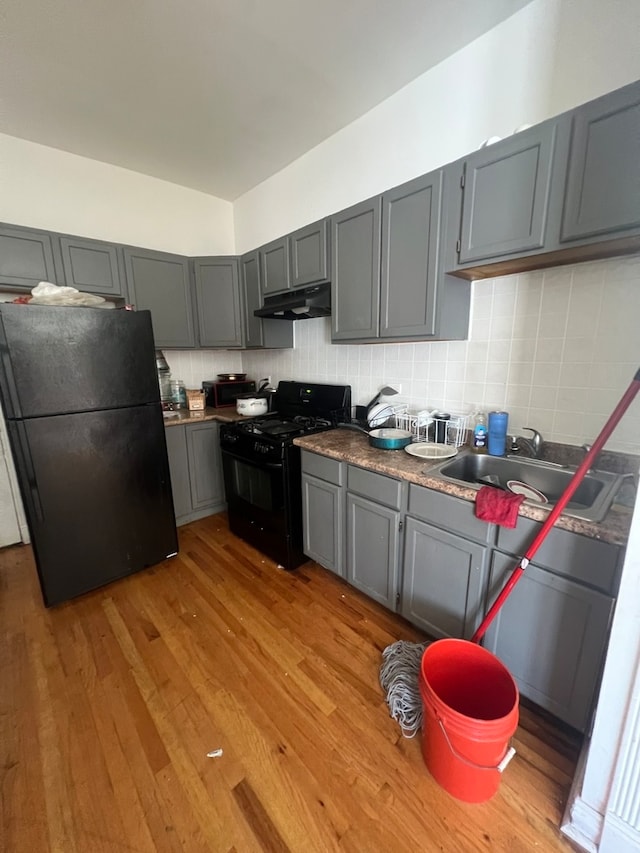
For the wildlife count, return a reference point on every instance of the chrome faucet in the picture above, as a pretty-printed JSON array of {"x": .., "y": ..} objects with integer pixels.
[{"x": 533, "y": 444}]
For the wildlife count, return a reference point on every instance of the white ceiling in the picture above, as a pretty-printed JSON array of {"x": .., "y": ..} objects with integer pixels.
[{"x": 216, "y": 95}]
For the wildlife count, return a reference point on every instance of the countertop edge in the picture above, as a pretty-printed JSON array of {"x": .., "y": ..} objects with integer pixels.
[
  {"x": 348, "y": 446},
  {"x": 184, "y": 416}
]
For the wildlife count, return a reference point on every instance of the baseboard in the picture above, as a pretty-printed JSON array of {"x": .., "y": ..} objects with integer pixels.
[{"x": 584, "y": 827}]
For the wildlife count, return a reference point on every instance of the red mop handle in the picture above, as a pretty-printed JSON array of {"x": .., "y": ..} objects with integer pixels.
[{"x": 563, "y": 500}]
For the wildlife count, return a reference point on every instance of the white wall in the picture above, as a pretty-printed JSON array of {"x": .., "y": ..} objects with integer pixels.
[
  {"x": 555, "y": 348},
  {"x": 548, "y": 57},
  {"x": 46, "y": 188}
]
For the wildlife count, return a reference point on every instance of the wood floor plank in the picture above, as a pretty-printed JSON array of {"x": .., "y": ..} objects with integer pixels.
[{"x": 110, "y": 703}]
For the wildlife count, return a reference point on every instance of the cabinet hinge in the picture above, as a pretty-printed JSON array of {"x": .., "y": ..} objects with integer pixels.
[
  {"x": 458, "y": 246},
  {"x": 400, "y": 525},
  {"x": 462, "y": 180},
  {"x": 397, "y": 598}
]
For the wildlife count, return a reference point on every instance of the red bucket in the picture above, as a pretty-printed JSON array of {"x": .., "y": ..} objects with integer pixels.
[{"x": 470, "y": 712}]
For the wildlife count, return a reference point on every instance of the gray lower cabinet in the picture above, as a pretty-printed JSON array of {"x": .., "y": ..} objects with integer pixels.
[
  {"x": 27, "y": 257},
  {"x": 444, "y": 581},
  {"x": 309, "y": 254},
  {"x": 93, "y": 266},
  {"x": 551, "y": 634},
  {"x": 373, "y": 523},
  {"x": 160, "y": 282},
  {"x": 323, "y": 511},
  {"x": 259, "y": 333},
  {"x": 373, "y": 549},
  {"x": 218, "y": 304},
  {"x": 196, "y": 470},
  {"x": 603, "y": 181}
]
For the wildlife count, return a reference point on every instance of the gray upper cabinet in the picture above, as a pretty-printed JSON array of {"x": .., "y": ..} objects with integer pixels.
[
  {"x": 160, "y": 283},
  {"x": 309, "y": 254},
  {"x": 411, "y": 216},
  {"x": 444, "y": 581},
  {"x": 506, "y": 196},
  {"x": 355, "y": 271},
  {"x": 603, "y": 182},
  {"x": 28, "y": 257},
  {"x": 257, "y": 333},
  {"x": 218, "y": 303},
  {"x": 387, "y": 269},
  {"x": 252, "y": 292},
  {"x": 551, "y": 634},
  {"x": 93, "y": 266},
  {"x": 274, "y": 266}
]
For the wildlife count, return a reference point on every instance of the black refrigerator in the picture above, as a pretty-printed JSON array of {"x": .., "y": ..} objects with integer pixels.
[{"x": 80, "y": 394}]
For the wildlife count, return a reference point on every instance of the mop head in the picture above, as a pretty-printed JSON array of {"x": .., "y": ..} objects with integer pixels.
[{"x": 399, "y": 676}]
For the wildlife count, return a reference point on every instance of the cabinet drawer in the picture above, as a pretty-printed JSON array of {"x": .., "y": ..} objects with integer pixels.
[
  {"x": 381, "y": 489},
  {"x": 565, "y": 553},
  {"x": 448, "y": 512},
  {"x": 321, "y": 466}
]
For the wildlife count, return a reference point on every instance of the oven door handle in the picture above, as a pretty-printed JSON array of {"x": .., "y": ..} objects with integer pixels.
[{"x": 274, "y": 466}]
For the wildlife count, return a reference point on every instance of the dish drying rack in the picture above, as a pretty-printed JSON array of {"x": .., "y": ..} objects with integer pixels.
[{"x": 423, "y": 426}]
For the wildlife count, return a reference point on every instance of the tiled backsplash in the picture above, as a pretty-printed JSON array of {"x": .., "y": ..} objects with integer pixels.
[{"x": 555, "y": 348}]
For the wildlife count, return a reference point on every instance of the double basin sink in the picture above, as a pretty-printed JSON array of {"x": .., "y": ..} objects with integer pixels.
[{"x": 591, "y": 500}]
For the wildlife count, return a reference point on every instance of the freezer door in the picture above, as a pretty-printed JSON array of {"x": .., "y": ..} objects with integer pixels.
[
  {"x": 59, "y": 360},
  {"x": 97, "y": 494}
]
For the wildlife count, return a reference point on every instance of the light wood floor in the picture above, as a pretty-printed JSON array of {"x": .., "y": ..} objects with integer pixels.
[{"x": 109, "y": 705}]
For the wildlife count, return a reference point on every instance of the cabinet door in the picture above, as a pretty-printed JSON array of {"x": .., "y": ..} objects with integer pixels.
[
  {"x": 27, "y": 257},
  {"x": 309, "y": 254},
  {"x": 218, "y": 301},
  {"x": 160, "y": 283},
  {"x": 372, "y": 549},
  {"x": 92, "y": 266},
  {"x": 250, "y": 270},
  {"x": 355, "y": 271},
  {"x": 506, "y": 195},
  {"x": 179, "y": 470},
  {"x": 205, "y": 465},
  {"x": 322, "y": 521},
  {"x": 274, "y": 266},
  {"x": 603, "y": 182},
  {"x": 444, "y": 579},
  {"x": 411, "y": 217},
  {"x": 551, "y": 633}
]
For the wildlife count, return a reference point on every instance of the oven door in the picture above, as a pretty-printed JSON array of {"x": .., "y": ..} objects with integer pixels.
[{"x": 261, "y": 507}]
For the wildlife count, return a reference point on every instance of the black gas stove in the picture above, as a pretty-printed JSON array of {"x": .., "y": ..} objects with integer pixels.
[{"x": 262, "y": 466}]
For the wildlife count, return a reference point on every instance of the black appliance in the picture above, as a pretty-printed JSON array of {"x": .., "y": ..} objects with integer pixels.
[
  {"x": 221, "y": 394},
  {"x": 80, "y": 393},
  {"x": 300, "y": 304},
  {"x": 261, "y": 466}
]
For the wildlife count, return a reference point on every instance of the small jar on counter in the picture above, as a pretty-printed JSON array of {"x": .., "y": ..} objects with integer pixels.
[{"x": 178, "y": 394}]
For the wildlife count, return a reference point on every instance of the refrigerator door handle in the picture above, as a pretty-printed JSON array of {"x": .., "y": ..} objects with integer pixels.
[
  {"x": 7, "y": 379},
  {"x": 26, "y": 463}
]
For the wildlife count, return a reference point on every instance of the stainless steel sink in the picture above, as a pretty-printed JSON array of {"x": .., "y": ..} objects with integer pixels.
[{"x": 591, "y": 500}]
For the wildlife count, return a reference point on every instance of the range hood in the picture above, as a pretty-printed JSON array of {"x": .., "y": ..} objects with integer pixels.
[{"x": 300, "y": 304}]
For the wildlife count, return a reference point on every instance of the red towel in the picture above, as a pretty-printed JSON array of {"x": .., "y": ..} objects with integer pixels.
[{"x": 497, "y": 506}]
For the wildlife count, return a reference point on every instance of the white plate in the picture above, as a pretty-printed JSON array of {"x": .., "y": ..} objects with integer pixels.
[
  {"x": 520, "y": 488},
  {"x": 431, "y": 450}
]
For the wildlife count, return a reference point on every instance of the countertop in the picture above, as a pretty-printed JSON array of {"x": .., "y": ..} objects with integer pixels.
[
  {"x": 348, "y": 446},
  {"x": 184, "y": 416}
]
